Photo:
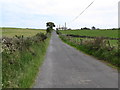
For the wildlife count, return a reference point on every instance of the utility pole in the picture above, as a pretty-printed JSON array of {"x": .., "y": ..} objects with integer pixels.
[{"x": 65, "y": 26}]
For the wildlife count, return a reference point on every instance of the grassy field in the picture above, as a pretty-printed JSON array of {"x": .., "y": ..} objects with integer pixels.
[
  {"x": 10, "y": 32},
  {"x": 100, "y": 33},
  {"x": 97, "y": 33}
]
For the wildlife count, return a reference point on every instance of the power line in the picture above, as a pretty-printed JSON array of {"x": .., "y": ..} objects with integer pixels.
[{"x": 83, "y": 11}]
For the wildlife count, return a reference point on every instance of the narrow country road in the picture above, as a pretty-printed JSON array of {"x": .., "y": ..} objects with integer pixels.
[{"x": 66, "y": 67}]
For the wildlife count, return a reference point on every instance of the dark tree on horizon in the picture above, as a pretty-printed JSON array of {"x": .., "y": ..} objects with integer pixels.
[{"x": 50, "y": 26}]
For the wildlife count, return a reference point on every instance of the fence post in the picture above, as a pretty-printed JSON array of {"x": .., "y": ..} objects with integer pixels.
[
  {"x": 76, "y": 40},
  {"x": 109, "y": 45},
  {"x": 81, "y": 41}
]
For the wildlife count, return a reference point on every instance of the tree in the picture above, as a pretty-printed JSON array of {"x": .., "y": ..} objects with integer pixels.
[
  {"x": 93, "y": 28},
  {"x": 50, "y": 26},
  {"x": 85, "y": 28}
]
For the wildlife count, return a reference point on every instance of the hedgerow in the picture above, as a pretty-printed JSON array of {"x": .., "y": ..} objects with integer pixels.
[{"x": 21, "y": 58}]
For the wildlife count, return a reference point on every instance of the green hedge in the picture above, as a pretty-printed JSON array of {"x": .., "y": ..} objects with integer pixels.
[{"x": 21, "y": 59}]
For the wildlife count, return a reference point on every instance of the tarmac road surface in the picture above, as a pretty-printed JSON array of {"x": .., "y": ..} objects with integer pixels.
[{"x": 66, "y": 67}]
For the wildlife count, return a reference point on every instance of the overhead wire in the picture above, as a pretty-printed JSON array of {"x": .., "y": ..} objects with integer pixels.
[{"x": 83, "y": 11}]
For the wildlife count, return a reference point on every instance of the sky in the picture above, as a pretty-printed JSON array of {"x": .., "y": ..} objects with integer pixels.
[{"x": 36, "y": 13}]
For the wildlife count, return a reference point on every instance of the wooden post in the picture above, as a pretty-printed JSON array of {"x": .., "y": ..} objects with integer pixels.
[{"x": 81, "y": 41}]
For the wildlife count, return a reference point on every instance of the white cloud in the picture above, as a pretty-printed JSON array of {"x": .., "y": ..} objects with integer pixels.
[{"x": 102, "y": 13}]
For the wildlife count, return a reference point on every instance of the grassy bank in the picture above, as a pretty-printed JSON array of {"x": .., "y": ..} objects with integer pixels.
[
  {"x": 21, "y": 59},
  {"x": 96, "y": 48}
]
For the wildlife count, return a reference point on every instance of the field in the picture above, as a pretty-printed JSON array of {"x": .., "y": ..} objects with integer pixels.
[
  {"x": 10, "y": 32},
  {"x": 96, "y": 33},
  {"x": 100, "y": 33}
]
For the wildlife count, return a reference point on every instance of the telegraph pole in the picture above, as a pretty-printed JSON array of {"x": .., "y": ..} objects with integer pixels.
[{"x": 65, "y": 26}]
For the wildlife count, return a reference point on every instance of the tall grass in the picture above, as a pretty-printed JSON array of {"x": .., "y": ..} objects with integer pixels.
[{"x": 21, "y": 58}]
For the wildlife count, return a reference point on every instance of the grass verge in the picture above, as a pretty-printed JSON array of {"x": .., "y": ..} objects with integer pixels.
[{"x": 20, "y": 68}]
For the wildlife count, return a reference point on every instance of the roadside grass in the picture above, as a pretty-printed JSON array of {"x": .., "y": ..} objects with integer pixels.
[
  {"x": 11, "y": 32},
  {"x": 98, "y": 33},
  {"x": 28, "y": 76},
  {"x": 19, "y": 68},
  {"x": 106, "y": 55},
  {"x": 114, "y": 43}
]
